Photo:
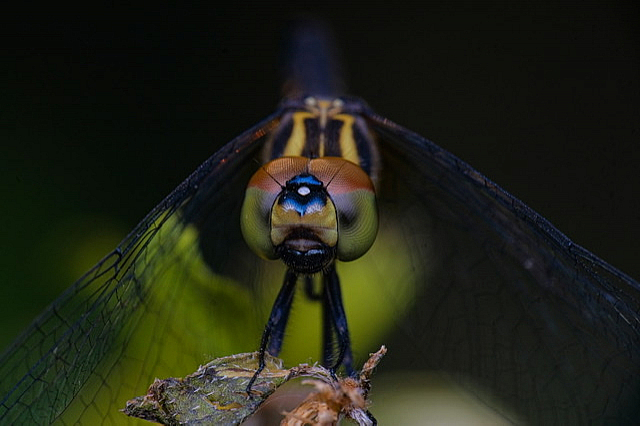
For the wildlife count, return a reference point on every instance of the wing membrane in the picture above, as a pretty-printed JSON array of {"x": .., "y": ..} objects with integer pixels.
[
  {"x": 507, "y": 303},
  {"x": 135, "y": 315}
]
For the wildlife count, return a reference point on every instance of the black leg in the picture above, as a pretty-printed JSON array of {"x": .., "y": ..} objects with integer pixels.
[
  {"x": 327, "y": 322},
  {"x": 327, "y": 328},
  {"x": 336, "y": 309},
  {"x": 310, "y": 291},
  {"x": 273, "y": 333},
  {"x": 280, "y": 314}
]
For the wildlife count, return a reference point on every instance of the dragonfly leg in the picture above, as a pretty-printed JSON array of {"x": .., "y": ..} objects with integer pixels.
[
  {"x": 327, "y": 330},
  {"x": 339, "y": 318},
  {"x": 310, "y": 290},
  {"x": 273, "y": 333},
  {"x": 280, "y": 315},
  {"x": 327, "y": 323}
]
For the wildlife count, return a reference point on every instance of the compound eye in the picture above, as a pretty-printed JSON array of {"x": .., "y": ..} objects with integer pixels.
[
  {"x": 255, "y": 217},
  {"x": 353, "y": 195}
]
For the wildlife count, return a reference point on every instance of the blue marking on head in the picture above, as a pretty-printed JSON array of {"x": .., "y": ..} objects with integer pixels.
[
  {"x": 304, "y": 179},
  {"x": 304, "y": 194}
]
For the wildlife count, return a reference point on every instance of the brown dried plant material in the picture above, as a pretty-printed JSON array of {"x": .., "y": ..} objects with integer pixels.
[
  {"x": 215, "y": 394},
  {"x": 325, "y": 406},
  {"x": 336, "y": 399}
]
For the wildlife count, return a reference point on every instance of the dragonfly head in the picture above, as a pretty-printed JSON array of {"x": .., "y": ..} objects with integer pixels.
[{"x": 309, "y": 212}]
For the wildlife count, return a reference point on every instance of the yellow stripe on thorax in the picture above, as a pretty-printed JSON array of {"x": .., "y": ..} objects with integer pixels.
[
  {"x": 298, "y": 138},
  {"x": 297, "y": 141},
  {"x": 348, "y": 146}
]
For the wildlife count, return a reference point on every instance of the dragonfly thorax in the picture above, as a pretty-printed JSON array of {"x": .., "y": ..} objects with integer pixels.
[{"x": 314, "y": 127}]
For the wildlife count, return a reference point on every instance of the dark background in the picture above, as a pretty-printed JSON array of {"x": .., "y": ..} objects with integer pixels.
[{"x": 104, "y": 111}]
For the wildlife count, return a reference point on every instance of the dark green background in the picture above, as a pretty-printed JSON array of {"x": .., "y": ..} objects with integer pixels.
[{"x": 104, "y": 111}]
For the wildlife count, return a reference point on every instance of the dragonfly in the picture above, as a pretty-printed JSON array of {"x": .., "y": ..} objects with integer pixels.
[{"x": 462, "y": 278}]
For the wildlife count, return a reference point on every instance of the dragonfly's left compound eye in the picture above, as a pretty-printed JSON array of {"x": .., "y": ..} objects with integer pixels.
[{"x": 310, "y": 212}]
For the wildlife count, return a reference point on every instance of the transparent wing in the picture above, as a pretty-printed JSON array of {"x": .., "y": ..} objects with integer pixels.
[
  {"x": 152, "y": 308},
  {"x": 499, "y": 298}
]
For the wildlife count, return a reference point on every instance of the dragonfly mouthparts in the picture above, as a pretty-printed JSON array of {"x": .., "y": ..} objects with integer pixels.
[{"x": 305, "y": 255}]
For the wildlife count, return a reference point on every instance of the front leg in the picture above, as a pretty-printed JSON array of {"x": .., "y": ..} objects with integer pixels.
[
  {"x": 335, "y": 308},
  {"x": 274, "y": 330}
]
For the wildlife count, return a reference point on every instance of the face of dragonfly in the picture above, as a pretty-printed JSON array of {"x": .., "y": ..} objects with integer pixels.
[{"x": 461, "y": 278}]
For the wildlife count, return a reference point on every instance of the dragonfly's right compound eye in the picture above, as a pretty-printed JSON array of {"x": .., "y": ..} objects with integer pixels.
[{"x": 310, "y": 212}]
